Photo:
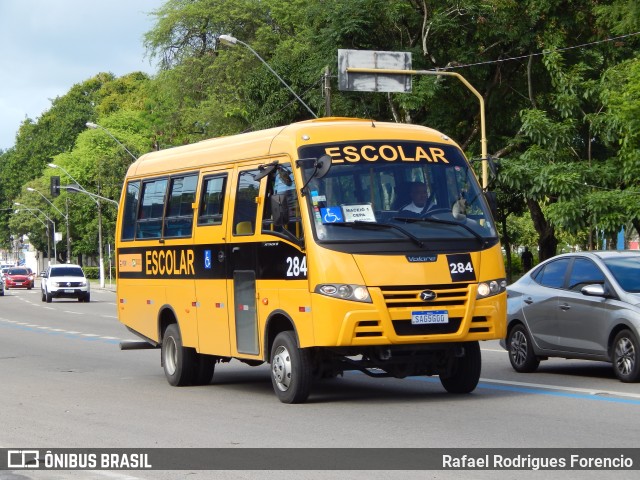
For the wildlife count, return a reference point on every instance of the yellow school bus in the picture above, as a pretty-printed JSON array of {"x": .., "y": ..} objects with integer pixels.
[{"x": 319, "y": 247}]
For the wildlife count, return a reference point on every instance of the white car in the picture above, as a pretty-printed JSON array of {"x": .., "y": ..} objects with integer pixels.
[{"x": 65, "y": 280}]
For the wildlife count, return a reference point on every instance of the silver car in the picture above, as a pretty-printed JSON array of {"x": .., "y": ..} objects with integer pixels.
[{"x": 583, "y": 305}]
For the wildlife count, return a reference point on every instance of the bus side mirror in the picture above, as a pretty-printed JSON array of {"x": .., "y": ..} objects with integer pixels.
[
  {"x": 323, "y": 165},
  {"x": 492, "y": 201},
  {"x": 279, "y": 209}
]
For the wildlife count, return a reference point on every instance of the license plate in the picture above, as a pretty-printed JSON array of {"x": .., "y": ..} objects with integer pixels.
[
  {"x": 69, "y": 291},
  {"x": 428, "y": 317},
  {"x": 18, "y": 283}
]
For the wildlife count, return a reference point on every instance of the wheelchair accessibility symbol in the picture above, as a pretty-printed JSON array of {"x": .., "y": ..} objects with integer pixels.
[
  {"x": 331, "y": 215},
  {"x": 207, "y": 259}
]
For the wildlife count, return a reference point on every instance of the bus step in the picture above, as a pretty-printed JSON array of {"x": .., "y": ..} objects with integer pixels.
[{"x": 137, "y": 345}]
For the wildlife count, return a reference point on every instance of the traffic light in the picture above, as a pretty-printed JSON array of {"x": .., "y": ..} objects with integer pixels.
[{"x": 55, "y": 186}]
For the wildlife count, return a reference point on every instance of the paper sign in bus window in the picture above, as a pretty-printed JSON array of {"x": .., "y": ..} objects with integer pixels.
[{"x": 362, "y": 213}]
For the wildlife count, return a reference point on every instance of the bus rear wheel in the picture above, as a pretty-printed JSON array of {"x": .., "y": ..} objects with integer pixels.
[
  {"x": 179, "y": 363},
  {"x": 205, "y": 365},
  {"x": 291, "y": 369},
  {"x": 465, "y": 374}
]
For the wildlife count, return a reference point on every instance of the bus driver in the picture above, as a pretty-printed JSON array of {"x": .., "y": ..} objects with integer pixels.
[{"x": 419, "y": 199}]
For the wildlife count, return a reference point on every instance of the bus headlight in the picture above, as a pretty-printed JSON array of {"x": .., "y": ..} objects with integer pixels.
[
  {"x": 357, "y": 293},
  {"x": 492, "y": 287}
]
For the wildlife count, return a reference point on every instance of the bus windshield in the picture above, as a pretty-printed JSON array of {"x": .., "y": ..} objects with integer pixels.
[{"x": 397, "y": 192}]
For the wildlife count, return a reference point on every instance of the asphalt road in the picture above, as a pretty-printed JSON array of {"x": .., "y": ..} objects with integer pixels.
[{"x": 66, "y": 384}]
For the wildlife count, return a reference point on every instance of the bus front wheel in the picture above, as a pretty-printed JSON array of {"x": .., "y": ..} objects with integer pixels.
[
  {"x": 465, "y": 374},
  {"x": 179, "y": 362},
  {"x": 291, "y": 369}
]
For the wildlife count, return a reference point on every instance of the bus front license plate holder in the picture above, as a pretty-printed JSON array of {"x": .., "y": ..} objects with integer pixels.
[{"x": 429, "y": 317}]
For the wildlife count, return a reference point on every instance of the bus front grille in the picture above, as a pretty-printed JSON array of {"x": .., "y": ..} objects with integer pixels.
[{"x": 397, "y": 297}]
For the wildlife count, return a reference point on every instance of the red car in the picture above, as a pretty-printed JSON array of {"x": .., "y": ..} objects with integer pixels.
[{"x": 18, "y": 277}]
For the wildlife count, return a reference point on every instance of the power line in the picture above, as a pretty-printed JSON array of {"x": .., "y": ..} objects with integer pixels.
[{"x": 537, "y": 54}]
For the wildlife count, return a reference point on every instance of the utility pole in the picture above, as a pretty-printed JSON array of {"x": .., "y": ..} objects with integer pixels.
[
  {"x": 327, "y": 92},
  {"x": 68, "y": 234}
]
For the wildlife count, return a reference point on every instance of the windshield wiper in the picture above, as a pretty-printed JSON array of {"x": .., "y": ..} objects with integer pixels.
[
  {"x": 479, "y": 237},
  {"x": 376, "y": 225}
]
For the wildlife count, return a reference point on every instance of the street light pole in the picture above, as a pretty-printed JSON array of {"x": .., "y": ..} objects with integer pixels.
[
  {"x": 95, "y": 125},
  {"x": 232, "y": 41},
  {"x": 66, "y": 217},
  {"x": 483, "y": 130},
  {"x": 55, "y": 255},
  {"x": 81, "y": 189}
]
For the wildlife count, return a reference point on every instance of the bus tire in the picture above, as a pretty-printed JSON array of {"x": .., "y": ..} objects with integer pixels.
[
  {"x": 291, "y": 369},
  {"x": 205, "y": 365},
  {"x": 179, "y": 362},
  {"x": 465, "y": 374}
]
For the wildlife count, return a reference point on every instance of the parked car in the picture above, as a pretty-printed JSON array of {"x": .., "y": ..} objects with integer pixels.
[
  {"x": 64, "y": 281},
  {"x": 583, "y": 305},
  {"x": 18, "y": 277}
]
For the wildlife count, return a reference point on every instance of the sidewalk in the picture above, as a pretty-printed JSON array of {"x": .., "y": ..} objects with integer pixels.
[{"x": 110, "y": 287}]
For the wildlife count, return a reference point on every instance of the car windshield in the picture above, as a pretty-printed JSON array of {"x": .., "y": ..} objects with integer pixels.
[
  {"x": 626, "y": 271},
  {"x": 66, "y": 272},
  {"x": 17, "y": 271},
  {"x": 393, "y": 192}
]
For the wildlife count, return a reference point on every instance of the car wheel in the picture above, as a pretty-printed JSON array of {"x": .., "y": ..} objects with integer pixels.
[
  {"x": 179, "y": 362},
  {"x": 520, "y": 350},
  {"x": 466, "y": 370},
  {"x": 43, "y": 296},
  {"x": 291, "y": 372},
  {"x": 626, "y": 363},
  {"x": 48, "y": 297}
]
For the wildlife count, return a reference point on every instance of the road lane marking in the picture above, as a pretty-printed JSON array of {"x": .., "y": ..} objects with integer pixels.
[
  {"x": 90, "y": 337},
  {"x": 494, "y": 350},
  {"x": 584, "y": 391},
  {"x": 539, "y": 389}
]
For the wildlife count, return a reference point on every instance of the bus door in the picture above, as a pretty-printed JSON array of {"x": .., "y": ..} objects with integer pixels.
[
  {"x": 212, "y": 254},
  {"x": 243, "y": 321}
]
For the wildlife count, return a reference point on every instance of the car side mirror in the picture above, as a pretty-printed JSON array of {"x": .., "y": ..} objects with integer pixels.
[
  {"x": 43, "y": 274},
  {"x": 594, "y": 290}
]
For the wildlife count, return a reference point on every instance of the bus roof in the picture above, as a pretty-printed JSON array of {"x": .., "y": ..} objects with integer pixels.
[{"x": 283, "y": 140}]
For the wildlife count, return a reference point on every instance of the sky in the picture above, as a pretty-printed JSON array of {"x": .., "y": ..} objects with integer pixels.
[{"x": 47, "y": 46}]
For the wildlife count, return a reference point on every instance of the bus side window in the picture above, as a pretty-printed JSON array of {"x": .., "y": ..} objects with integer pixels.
[
  {"x": 130, "y": 210},
  {"x": 246, "y": 208},
  {"x": 152, "y": 208},
  {"x": 178, "y": 220},
  {"x": 212, "y": 201}
]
